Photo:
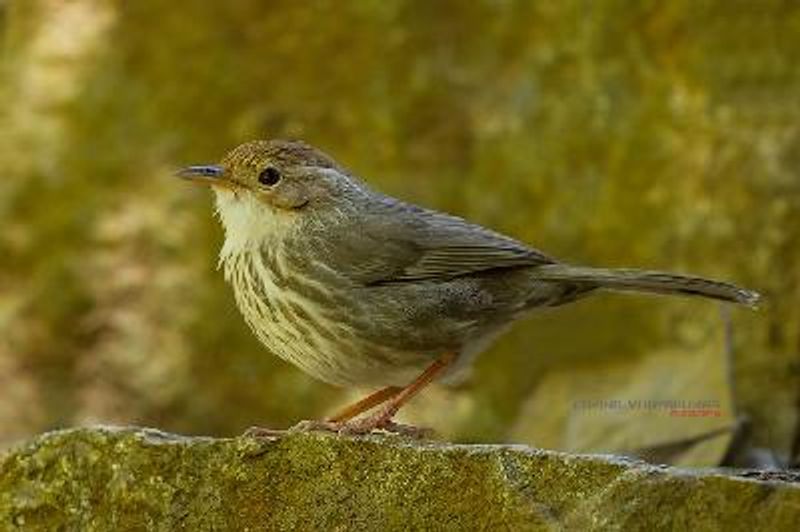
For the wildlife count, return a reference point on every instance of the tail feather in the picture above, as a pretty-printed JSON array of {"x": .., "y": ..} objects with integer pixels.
[{"x": 648, "y": 281}]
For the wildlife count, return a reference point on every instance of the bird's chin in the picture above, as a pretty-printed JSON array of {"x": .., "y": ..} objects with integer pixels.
[
  {"x": 225, "y": 199},
  {"x": 225, "y": 193}
]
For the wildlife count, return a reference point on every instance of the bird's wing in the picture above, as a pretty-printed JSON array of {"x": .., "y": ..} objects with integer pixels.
[
  {"x": 403, "y": 243},
  {"x": 447, "y": 261}
]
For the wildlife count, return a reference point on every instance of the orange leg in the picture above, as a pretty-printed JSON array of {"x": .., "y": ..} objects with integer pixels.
[
  {"x": 382, "y": 419},
  {"x": 392, "y": 397},
  {"x": 335, "y": 422},
  {"x": 367, "y": 403}
]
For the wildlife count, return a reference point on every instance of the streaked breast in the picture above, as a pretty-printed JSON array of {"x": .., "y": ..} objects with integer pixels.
[{"x": 307, "y": 321}]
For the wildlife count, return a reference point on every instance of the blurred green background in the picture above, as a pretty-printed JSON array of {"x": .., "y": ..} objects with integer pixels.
[{"x": 623, "y": 133}]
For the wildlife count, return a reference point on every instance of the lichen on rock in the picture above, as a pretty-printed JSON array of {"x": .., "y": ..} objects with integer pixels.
[{"x": 130, "y": 478}]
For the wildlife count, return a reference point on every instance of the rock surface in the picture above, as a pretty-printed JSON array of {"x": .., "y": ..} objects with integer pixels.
[{"x": 127, "y": 478}]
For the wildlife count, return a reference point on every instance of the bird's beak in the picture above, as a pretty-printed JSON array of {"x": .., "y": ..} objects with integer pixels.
[{"x": 210, "y": 174}]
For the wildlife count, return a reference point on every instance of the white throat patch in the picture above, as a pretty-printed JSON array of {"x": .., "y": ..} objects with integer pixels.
[{"x": 248, "y": 223}]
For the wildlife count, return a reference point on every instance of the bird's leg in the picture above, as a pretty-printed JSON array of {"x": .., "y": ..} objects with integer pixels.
[
  {"x": 335, "y": 422},
  {"x": 394, "y": 398},
  {"x": 371, "y": 401},
  {"x": 382, "y": 418},
  {"x": 339, "y": 420}
]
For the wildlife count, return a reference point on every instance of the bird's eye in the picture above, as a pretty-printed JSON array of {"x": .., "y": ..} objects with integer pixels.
[{"x": 269, "y": 176}]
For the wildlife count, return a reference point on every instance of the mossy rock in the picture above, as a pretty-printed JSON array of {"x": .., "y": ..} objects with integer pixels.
[{"x": 135, "y": 479}]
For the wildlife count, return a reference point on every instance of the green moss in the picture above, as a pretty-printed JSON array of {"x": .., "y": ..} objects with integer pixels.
[{"x": 132, "y": 479}]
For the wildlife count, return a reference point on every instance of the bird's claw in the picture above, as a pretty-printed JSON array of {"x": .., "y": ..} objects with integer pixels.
[
  {"x": 308, "y": 425},
  {"x": 311, "y": 425},
  {"x": 368, "y": 425},
  {"x": 355, "y": 427}
]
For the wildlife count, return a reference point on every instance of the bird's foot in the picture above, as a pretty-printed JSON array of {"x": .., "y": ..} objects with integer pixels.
[
  {"x": 379, "y": 421},
  {"x": 353, "y": 427},
  {"x": 311, "y": 425},
  {"x": 382, "y": 420},
  {"x": 410, "y": 431},
  {"x": 308, "y": 425}
]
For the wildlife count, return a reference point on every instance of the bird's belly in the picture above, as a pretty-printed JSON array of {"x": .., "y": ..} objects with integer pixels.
[
  {"x": 330, "y": 351},
  {"x": 314, "y": 335}
]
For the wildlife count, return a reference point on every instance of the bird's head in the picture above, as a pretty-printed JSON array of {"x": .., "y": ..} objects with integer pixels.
[{"x": 264, "y": 187}]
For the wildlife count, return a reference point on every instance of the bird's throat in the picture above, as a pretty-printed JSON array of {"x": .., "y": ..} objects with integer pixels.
[{"x": 249, "y": 224}]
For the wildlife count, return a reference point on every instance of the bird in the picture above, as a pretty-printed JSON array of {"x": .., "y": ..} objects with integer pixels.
[{"x": 360, "y": 289}]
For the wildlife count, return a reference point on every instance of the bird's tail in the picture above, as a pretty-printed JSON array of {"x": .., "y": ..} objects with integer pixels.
[{"x": 647, "y": 281}]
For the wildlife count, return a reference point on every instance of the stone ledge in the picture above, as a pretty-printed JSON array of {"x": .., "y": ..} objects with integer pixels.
[{"x": 130, "y": 478}]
